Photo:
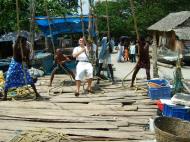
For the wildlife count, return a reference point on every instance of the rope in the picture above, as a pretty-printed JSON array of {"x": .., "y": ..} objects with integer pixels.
[
  {"x": 123, "y": 80},
  {"x": 40, "y": 135}
]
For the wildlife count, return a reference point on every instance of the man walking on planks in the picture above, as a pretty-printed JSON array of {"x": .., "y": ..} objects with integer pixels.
[{"x": 144, "y": 59}]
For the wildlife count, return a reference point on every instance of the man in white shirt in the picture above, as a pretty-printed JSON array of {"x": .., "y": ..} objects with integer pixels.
[{"x": 84, "y": 67}]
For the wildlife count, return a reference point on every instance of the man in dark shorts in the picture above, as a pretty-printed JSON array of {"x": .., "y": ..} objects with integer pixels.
[
  {"x": 60, "y": 60},
  {"x": 143, "y": 61}
]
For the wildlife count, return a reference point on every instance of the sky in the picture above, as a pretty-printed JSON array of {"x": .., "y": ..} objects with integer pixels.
[{"x": 85, "y": 6}]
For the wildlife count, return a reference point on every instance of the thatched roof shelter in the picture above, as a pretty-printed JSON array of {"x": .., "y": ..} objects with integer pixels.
[
  {"x": 172, "y": 21},
  {"x": 174, "y": 24},
  {"x": 183, "y": 33}
]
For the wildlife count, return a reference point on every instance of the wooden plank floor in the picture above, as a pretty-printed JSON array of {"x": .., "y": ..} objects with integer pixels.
[{"x": 111, "y": 114}]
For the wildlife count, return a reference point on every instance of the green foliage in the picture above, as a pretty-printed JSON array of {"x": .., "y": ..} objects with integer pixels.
[
  {"x": 8, "y": 11},
  {"x": 147, "y": 13}
]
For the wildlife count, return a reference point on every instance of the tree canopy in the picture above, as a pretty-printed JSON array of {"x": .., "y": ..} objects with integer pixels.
[
  {"x": 147, "y": 13},
  {"x": 120, "y": 16},
  {"x": 55, "y": 8}
]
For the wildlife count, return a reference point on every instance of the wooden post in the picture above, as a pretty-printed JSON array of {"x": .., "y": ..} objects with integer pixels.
[{"x": 154, "y": 56}]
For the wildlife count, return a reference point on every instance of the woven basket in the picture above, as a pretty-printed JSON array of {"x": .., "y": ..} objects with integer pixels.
[{"x": 171, "y": 130}]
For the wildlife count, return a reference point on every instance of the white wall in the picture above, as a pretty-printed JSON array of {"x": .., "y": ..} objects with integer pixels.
[{"x": 85, "y": 6}]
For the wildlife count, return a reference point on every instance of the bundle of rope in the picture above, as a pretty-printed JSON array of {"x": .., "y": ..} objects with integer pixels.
[
  {"x": 20, "y": 93},
  {"x": 41, "y": 135}
]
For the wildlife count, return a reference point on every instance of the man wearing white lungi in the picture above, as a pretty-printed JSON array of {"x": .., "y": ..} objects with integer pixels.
[{"x": 84, "y": 67}]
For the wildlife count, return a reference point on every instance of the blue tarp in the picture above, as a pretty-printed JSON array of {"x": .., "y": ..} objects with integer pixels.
[{"x": 68, "y": 25}]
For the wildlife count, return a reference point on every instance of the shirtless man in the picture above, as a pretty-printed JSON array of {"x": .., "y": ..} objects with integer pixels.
[
  {"x": 17, "y": 74},
  {"x": 60, "y": 60},
  {"x": 143, "y": 61}
]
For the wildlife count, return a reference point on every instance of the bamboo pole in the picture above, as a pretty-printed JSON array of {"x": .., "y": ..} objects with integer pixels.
[
  {"x": 18, "y": 29},
  {"x": 95, "y": 23},
  {"x": 47, "y": 13},
  {"x": 32, "y": 24},
  {"x": 17, "y": 16},
  {"x": 134, "y": 19},
  {"x": 90, "y": 20},
  {"x": 81, "y": 16}
]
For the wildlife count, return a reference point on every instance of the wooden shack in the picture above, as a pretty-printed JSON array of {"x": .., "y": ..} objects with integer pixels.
[{"x": 166, "y": 31}]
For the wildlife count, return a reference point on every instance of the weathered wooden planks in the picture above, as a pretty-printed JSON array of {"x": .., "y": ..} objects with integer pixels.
[{"x": 117, "y": 115}]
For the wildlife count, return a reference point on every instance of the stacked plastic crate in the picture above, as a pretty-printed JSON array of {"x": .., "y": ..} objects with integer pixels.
[{"x": 159, "y": 89}]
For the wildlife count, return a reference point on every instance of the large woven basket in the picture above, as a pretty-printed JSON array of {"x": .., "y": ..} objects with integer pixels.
[{"x": 171, "y": 130}]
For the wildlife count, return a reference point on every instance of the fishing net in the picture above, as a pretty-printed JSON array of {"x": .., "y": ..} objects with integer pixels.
[
  {"x": 42, "y": 135},
  {"x": 178, "y": 84}
]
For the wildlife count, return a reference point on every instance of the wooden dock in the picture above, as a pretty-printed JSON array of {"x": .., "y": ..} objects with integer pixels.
[{"x": 111, "y": 114}]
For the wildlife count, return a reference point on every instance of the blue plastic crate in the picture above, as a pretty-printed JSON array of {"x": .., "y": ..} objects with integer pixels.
[
  {"x": 164, "y": 92},
  {"x": 159, "y": 93},
  {"x": 176, "y": 111},
  {"x": 162, "y": 82}
]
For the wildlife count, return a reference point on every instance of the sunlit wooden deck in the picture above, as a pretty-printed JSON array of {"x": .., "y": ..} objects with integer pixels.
[{"x": 111, "y": 114}]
